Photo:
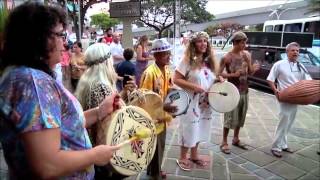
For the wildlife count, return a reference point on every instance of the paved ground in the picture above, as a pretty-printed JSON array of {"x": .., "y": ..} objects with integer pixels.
[{"x": 257, "y": 162}]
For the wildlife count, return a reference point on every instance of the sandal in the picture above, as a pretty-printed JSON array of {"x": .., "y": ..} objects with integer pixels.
[
  {"x": 225, "y": 149},
  {"x": 184, "y": 164},
  {"x": 239, "y": 145},
  {"x": 199, "y": 162}
]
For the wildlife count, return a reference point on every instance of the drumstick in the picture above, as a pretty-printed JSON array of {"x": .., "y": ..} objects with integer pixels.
[
  {"x": 221, "y": 93},
  {"x": 140, "y": 134}
]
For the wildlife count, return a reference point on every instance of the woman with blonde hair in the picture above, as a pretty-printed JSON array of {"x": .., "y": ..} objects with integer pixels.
[
  {"x": 143, "y": 57},
  {"x": 98, "y": 82},
  {"x": 196, "y": 73}
]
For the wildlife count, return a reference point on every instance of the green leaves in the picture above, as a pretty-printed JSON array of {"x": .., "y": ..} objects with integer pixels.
[
  {"x": 103, "y": 20},
  {"x": 3, "y": 16}
]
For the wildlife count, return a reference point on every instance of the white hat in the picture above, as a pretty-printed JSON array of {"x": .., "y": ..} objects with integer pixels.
[{"x": 160, "y": 45}]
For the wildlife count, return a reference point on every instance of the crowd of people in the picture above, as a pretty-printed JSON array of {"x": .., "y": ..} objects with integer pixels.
[{"x": 55, "y": 127}]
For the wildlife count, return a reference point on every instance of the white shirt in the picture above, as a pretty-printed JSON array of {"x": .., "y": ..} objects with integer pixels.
[
  {"x": 116, "y": 49},
  {"x": 287, "y": 73}
]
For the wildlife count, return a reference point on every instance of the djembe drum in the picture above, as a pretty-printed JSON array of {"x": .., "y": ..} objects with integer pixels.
[
  {"x": 303, "y": 92},
  {"x": 223, "y": 97},
  {"x": 135, "y": 156}
]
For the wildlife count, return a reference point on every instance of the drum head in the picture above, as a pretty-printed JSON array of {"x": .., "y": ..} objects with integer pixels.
[
  {"x": 132, "y": 158},
  {"x": 150, "y": 102},
  {"x": 222, "y": 103},
  {"x": 180, "y": 99}
]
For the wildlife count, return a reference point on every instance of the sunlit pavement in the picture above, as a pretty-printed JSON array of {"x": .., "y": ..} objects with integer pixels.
[{"x": 255, "y": 163}]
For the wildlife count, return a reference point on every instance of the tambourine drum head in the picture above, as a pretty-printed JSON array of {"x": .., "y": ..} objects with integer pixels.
[
  {"x": 180, "y": 99},
  {"x": 222, "y": 103},
  {"x": 132, "y": 158}
]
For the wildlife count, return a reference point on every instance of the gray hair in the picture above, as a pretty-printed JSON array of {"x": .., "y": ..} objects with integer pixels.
[{"x": 292, "y": 44}]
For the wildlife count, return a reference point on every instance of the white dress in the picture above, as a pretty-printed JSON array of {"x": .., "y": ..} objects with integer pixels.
[{"x": 195, "y": 124}]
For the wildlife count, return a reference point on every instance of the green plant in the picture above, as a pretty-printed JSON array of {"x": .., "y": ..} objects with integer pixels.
[{"x": 3, "y": 16}]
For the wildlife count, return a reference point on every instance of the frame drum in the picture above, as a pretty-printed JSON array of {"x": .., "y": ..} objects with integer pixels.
[
  {"x": 223, "y": 97},
  {"x": 149, "y": 101},
  {"x": 180, "y": 99},
  {"x": 134, "y": 157}
]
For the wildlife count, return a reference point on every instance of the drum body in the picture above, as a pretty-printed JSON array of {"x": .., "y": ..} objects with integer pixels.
[
  {"x": 303, "y": 92},
  {"x": 221, "y": 103},
  {"x": 180, "y": 99},
  {"x": 149, "y": 101},
  {"x": 132, "y": 158}
]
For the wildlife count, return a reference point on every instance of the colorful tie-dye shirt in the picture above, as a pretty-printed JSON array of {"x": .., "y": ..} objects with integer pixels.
[{"x": 31, "y": 100}]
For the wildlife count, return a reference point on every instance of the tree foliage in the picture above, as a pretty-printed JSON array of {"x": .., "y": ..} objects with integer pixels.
[
  {"x": 224, "y": 29},
  {"x": 103, "y": 20},
  {"x": 159, "y": 14}
]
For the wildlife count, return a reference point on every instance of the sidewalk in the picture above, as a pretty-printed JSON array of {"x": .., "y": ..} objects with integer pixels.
[{"x": 257, "y": 162}]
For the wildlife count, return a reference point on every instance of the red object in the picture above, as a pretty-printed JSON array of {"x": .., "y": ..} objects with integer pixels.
[
  {"x": 303, "y": 92},
  {"x": 108, "y": 39}
]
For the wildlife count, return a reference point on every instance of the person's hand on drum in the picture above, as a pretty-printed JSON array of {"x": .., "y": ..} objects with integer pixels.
[
  {"x": 219, "y": 79},
  {"x": 108, "y": 105},
  {"x": 103, "y": 154},
  {"x": 130, "y": 85},
  {"x": 276, "y": 93},
  {"x": 198, "y": 89},
  {"x": 168, "y": 107}
]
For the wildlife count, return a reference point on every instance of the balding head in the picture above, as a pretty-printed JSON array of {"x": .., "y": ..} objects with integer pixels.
[{"x": 116, "y": 37}]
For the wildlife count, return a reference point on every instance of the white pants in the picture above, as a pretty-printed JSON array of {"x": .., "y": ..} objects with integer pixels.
[{"x": 287, "y": 116}]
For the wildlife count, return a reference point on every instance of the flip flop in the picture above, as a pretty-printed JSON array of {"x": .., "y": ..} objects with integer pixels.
[
  {"x": 184, "y": 164},
  {"x": 199, "y": 162},
  {"x": 239, "y": 145},
  {"x": 288, "y": 150},
  {"x": 225, "y": 149},
  {"x": 276, "y": 153}
]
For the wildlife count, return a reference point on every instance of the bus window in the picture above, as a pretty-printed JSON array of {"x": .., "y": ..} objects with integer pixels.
[
  {"x": 296, "y": 27},
  {"x": 278, "y": 28},
  {"x": 312, "y": 28},
  {"x": 268, "y": 29}
]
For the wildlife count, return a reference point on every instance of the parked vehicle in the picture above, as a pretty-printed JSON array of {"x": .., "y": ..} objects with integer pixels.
[{"x": 267, "y": 56}]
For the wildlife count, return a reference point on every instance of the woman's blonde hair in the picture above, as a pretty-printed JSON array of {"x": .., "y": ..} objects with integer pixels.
[
  {"x": 100, "y": 69},
  {"x": 208, "y": 56}
]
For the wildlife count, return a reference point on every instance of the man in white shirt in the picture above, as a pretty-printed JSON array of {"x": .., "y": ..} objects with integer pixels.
[
  {"x": 286, "y": 72},
  {"x": 116, "y": 49}
]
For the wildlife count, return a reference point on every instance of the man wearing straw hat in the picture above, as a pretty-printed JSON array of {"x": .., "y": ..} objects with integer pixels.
[
  {"x": 237, "y": 64},
  {"x": 158, "y": 79}
]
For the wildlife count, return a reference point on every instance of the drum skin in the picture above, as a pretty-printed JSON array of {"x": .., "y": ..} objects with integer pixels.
[
  {"x": 303, "y": 92},
  {"x": 222, "y": 103},
  {"x": 132, "y": 158},
  {"x": 153, "y": 103},
  {"x": 180, "y": 99}
]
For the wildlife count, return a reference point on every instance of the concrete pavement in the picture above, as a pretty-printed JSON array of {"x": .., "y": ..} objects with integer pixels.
[{"x": 255, "y": 163}]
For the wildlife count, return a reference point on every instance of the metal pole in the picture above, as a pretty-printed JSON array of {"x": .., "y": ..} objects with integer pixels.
[{"x": 79, "y": 19}]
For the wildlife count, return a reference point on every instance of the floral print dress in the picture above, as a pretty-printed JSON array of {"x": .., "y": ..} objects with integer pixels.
[{"x": 195, "y": 124}]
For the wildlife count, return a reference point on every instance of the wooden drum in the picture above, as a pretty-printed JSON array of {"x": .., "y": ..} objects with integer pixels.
[{"x": 303, "y": 92}]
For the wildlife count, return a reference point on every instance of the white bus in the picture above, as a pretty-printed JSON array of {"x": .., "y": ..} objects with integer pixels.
[
  {"x": 303, "y": 25},
  {"x": 307, "y": 25}
]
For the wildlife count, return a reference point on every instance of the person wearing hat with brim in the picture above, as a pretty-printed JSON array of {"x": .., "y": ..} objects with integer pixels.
[
  {"x": 157, "y": 78},
  {"x": 237, "y": 64}
]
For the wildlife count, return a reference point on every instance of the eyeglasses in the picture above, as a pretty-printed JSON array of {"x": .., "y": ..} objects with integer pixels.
[{"x": 59, "y": 34}]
